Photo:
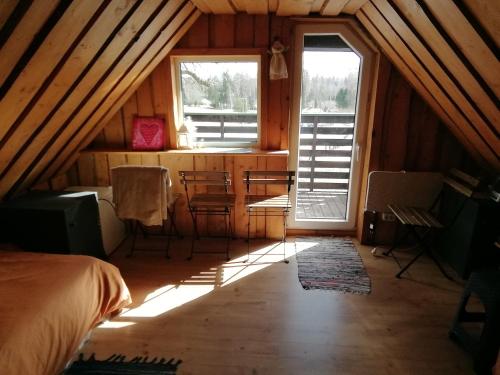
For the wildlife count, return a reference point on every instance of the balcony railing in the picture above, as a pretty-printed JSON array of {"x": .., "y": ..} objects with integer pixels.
[
  {"x": 325, "y": 151},
  {"x": 325, "y": 143},
  {"x": 224, "y": 128}
]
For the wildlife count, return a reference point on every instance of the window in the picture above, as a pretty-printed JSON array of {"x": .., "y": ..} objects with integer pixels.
[{"x": 218, "y": 98}]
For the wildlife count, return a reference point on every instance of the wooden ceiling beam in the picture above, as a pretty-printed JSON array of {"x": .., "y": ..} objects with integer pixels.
[
  {"x": 23, "y": 34},
  {"x": 256, "y": 6},
  {"x": 240, "y": 6},
  {"x": 468, "y": 41},
  {"x": 23, "y": 139},
  {"x": 122, "y": 74},
  {"x": 317, "y": 5},
  {"x": 353, "y": 6},
  {"x": 273, "y": 6},
  {"x": 333, "y": 7},
  {"x": 202, "y": 6},
  {"x": 82, "y": 100},
  {"x": 145, "y": 58},
  {"x": 7, "y": 7},
  {"x": 438, "y": 73},
  {"x": 130, "y": 91},
  {"x": 220, "y": 6},
  {"x": 404, "y": 67},
  {"x": 294, "y": 8},
  {"x": 45, "y": 59},
  {"x": 280, "y": 7},
  {"x": 442, "y": 50},
  {"x": 487, "y": 13}
]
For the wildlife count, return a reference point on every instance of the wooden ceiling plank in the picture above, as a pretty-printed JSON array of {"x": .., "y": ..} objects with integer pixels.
[
  {"x": 353, "y": 6},
  {"x": 273, "y": 6},
  {"x": 6, "y": 9},
  {"x": 220, "y": 6},
  {"x": 123, "y": 73},
  {"x": 72, "y": 139},
  {"x": 46, "y": 57},
  {"x": 468, "y": 40},
  {"x": 294, "y": 8},
  {"x": 77, "y": 99},
  {"x": 239, "y": 5},
  {"x": 23, "y": 34},
  {"x": 403, "y": 66},
  {"x": 201, "y": 5},
  {"x": 487, "y": 13},
  {"x": 333, "y": 7},
  {"x": 256, "y": 6},
  {"x": 317, "y": 5},
  {"x": 437, "y": 72},
  {"x": 415, "y": 14},
  {"x": 406, "y": 54},
  {"x": 75, "y": 64},
  {"x": 130, "y": 91}
]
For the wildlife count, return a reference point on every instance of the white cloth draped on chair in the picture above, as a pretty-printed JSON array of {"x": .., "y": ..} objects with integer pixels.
[{"x": 142, "y": 193}]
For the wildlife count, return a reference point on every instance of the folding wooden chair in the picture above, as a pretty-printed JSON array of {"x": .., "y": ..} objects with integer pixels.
[
  {"x": 209, "y": 204},
  {"x": 268, "y": 205},
  {"x": 131, "y": 197},
  {"x": 423, "y": 224}
]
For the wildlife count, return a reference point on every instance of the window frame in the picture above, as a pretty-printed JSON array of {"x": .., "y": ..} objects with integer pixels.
[
  {"x": 369, "y": 55},
  {"x": 249, "y": 55}
]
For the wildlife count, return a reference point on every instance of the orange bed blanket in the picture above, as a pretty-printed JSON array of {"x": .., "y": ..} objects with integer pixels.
[{"x": 48, "y": 304}]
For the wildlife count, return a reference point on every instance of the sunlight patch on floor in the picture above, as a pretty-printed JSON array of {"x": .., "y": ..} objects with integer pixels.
[
  {"x": 171, "y": 296},
  {"x": 113, "y": 324},
  {"x": 174, "y": 296}
]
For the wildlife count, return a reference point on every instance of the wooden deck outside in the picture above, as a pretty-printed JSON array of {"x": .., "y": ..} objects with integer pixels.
[
  {"x": 324, "y": 165},
  {"x": 321, "y": 205}
]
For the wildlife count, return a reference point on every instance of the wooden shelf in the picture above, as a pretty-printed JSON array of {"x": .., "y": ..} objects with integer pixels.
[{"x": 201, "y": 151}]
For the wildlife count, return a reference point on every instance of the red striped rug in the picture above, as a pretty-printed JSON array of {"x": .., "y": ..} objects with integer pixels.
[{"x": 332, "y": 263}]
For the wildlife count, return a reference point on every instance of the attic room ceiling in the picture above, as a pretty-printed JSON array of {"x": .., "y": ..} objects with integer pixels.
[
  {"x": 66, "y": 67},
  {"x": 280, "y": 7}
]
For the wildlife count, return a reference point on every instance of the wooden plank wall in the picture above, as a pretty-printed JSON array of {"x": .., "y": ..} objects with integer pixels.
[
  {"x": 93, "y": 169},
  {"x": 407, "y": 133},
  {"x": 153, "y": 97}
]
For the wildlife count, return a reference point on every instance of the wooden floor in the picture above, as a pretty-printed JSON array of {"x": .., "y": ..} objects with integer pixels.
[
  {"x": 321, "y": 205},
  {"x": 255, "y": 318}
]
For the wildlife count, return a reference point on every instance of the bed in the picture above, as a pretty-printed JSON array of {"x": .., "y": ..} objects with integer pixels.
[{"x": 49, "y": 303}]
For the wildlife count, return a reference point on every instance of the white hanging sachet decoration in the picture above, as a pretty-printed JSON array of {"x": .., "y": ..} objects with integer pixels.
[{"x": 277, "y": 68}]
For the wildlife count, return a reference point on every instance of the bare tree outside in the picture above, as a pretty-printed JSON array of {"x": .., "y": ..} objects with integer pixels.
[{"x": 221, "y": 99}]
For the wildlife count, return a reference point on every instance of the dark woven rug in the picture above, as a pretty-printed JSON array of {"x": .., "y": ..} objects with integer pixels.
[
  {"x": 117, "y": 364},
  {"x": 332, "y": 263}
]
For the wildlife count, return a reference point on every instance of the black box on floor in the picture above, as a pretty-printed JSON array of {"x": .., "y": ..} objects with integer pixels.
[{"x": 53, "y": 222}]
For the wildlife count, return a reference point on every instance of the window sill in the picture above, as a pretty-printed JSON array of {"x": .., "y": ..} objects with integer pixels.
[{"x": 199, "y": 151}]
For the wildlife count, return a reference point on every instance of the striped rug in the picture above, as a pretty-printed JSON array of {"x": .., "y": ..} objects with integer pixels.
[
  {"x": 118, "y": 365},
  {"x": 332, "y": 263}
]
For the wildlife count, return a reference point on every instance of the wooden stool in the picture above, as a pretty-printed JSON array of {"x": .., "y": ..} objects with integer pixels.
[{"x": 486, "y": 285}]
